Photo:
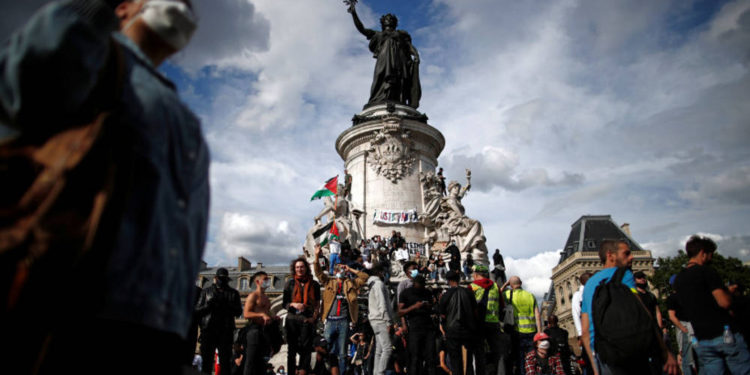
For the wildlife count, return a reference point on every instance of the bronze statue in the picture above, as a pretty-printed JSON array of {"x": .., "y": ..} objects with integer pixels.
[{"x": 396, "y": 77}]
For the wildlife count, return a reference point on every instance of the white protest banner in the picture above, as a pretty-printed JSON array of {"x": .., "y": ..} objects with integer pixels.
[{"x": 395, "y": 216}]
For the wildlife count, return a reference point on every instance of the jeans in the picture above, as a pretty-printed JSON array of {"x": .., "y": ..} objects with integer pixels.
[
  {"x": 715, "y": 357},
  {"x": 299, "y": 339},
  {"x": 337, "y": 334},
  {"x": 686, "y": 349},
  {"x": 421, "y": 346},
  {"x": 383, "y": 346},
  {"x": 333, "y": 260}
]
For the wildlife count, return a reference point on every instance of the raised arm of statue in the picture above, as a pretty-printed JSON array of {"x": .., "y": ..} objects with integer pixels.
[
  {"x": 358, "y": 24},
  {"x": 468, "y": 182}
]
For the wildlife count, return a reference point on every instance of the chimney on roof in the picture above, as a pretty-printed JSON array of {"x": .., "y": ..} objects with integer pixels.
[
  {"x": 243, "y": 264},
  {"x": 625, "y": 228},
  {"x": 259, "y": 266},
  {"x": 204, "y": 265}
]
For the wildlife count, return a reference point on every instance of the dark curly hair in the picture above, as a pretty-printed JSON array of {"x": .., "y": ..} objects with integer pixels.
[{"x": 300, "y": 259}]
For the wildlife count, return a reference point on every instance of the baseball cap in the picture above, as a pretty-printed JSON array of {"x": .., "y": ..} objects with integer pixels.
[
  {"x": 222, "y": 273},
  {"x": 540, "y": 336},
  {"x": 452, "y": 276},
  {"x": 639, "y": 275},
  {"x": 481, "y": 268}
]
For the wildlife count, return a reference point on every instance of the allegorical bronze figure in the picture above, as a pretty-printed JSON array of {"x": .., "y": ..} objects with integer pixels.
[{"x": 396, "y": 77}]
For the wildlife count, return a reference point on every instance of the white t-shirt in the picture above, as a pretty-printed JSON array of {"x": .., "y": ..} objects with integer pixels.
[
  {"x": 334, "y": 247},
  {"x": 402, "y": 254},
  {"x": 575, "y": 308}
]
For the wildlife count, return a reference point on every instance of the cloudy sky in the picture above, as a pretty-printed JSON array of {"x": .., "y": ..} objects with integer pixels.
[{"x": 636, "y": 109}]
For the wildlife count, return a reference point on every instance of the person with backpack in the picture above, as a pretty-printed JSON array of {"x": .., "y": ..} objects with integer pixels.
[
  {"x": 619, "y": 334},
  {"x": 460, "y": 323},
  {"x": 489, "y": 303}
]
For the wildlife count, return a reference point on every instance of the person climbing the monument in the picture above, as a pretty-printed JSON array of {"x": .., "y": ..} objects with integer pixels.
[{"x": 396, "y": 77}]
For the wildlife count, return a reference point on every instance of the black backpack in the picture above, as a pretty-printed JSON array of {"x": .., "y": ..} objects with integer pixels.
[{"x": 623, "y": 329}]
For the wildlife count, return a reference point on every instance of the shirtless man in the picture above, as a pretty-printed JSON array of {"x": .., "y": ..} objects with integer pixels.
[{"x": 258, "y": 314}]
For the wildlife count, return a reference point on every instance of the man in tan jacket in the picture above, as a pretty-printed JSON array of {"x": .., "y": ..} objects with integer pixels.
[{"x": 340, "y": 305}]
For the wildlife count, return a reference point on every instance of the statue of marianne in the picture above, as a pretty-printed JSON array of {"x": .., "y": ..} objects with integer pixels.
[{"x": 396, "y": 77}]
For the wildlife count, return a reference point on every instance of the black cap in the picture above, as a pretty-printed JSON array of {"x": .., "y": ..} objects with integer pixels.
[
  {"x": 452, "y": 275},
  {"x": 639, "y": 275},
  {"x": 222, "y": 273},
  {"x": 419, "y": 279},
  {"x": 320, "y": 341}
]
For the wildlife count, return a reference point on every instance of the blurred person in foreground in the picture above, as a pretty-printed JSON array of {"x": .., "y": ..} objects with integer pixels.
[{"x": 132, "y": 296}]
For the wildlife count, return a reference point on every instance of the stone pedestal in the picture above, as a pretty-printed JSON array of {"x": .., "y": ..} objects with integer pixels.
[{"x": 384, "y": 152}]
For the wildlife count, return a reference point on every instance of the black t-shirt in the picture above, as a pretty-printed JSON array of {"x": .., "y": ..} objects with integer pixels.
[
  {"x": 419, "y": 319},
  {"x": 673, "y": 304},
  {"x": 649, "y": 300},
  {"x": 558, "y": 338},
  {"x": 694, "y": 286}
]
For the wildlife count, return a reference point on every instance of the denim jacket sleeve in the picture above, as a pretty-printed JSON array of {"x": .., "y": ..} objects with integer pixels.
[{"x": 49, "y": 67}]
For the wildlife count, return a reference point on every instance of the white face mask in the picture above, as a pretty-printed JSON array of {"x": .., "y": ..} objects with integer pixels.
[
  {"x": 172, "y": 20},
  {"x": 265, "y": 284}
]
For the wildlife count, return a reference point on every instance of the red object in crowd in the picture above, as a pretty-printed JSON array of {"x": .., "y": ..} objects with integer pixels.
[{"x": 217, "y": 366}]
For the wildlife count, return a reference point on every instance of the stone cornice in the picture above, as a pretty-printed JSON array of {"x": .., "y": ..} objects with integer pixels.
[{"x": 421, "y": 134}]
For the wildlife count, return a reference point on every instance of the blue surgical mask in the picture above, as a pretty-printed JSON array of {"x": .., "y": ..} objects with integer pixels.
[{"x": 414, "y": 273}]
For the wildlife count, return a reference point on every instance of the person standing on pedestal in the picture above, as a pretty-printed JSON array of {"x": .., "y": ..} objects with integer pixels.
[
  {"x": 340, "y": 306},
  {"x": 302, "y": 302},
  {"x": 217, "y": 307}
]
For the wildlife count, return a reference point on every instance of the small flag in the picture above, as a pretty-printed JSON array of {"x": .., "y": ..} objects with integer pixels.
[{"x": 329, "y": 188}]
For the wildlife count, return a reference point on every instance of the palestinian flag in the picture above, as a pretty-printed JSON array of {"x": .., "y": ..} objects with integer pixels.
[
  {"x": 327, "y": 233},
  {"x": 329, "y": 188}
]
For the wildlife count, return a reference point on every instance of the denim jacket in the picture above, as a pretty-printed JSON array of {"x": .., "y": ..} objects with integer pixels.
[{"x": 49, "y": 68}]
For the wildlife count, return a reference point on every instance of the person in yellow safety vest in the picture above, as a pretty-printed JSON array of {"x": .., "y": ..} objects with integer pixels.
[
  {"x": 491, "y": 302},
  {"x": 527, "y": 320}
]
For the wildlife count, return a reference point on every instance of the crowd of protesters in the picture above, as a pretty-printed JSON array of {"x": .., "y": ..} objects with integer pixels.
[
  {"x": 107, "y": 172},
  {"x": 355, "y": 322}
]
